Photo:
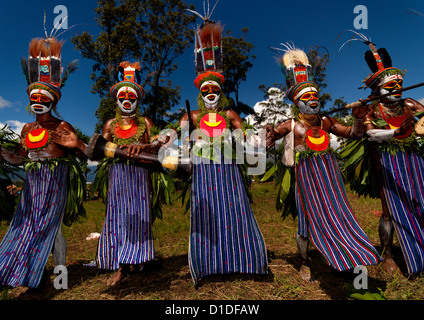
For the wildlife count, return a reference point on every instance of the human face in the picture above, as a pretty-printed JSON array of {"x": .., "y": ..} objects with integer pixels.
[
  {"x": 40, "y": 103},
  {"x": 390, "y": 86},
  {"x": 308, "y": 103},
  {"x": 127, "y": 100},
  {"x": 211, "y": 92}
]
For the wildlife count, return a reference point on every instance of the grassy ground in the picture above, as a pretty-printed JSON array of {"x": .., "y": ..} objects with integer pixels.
[{"x": 169, "y": 276}]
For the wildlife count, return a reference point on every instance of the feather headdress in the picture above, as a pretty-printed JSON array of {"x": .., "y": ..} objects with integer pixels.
[
  {"x": 43, "y": 68},
  {"x": 378, "y": 60},
  {"x": 128, "y": 75},
  {"x": 295, "y": 66},
  {"x": 208, "y": 48}
]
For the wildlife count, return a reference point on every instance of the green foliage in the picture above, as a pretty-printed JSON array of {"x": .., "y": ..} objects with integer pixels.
[
  {"x": 162, "y": 185},
  {"x": 9, "y": 140},
  {"x": 237, "y": 62},
  {"x": 358, "y": 168},
  {"x": 152, "y": 32},
  {"x": 76, "y": 185}
]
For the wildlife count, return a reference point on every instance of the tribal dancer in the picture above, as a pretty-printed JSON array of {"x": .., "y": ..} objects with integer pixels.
[
  {"x": 130, "y": 172},
  {"x": 127, "y": 236},
  {"x": 224, "y": 234},
  {"x": 47, "y": 198},
  {"x": 395, "y": 162},
  {"x": 325, "y": 218}
]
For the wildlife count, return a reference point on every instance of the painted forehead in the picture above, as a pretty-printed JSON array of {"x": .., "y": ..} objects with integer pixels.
[
  {"x": 210, "y": 83},
  {"x": 41, "y": 92},
  {"x": 127, "y": 89}
]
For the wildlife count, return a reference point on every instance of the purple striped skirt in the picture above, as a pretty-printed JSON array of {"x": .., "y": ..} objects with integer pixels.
[
  {"x": 29, "y": 240},
  {"x": 127, "y": 236},
  {"x": 403, "y": 180},
  {"x": 224, "y": 235},
  {"x": 325, "y": 216}
]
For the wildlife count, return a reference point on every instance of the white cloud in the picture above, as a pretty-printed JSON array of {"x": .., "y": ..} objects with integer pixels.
[
  {"x": 4, "y": 103},
  {"x": 15, "y": 125},
  {"x": 92, "y": 163},
  {"x": 272, "y": 109}
]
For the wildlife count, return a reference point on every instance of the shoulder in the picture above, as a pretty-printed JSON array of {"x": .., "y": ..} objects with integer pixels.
[
  {"x": 413, "y": 104},
  {"x": 108, "y": 125},
  {"x": 149, "y": 122},
  {"x": 64, "y": 124},
  {"x": 26, "y": 128}
]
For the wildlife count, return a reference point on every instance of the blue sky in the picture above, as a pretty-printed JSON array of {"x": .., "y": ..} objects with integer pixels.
[{"x": 270, "y": 23}]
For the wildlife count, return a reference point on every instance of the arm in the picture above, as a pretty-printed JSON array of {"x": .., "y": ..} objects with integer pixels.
[
  {"x": 274, "y": 134},
  {"x": 66, "y": 137},
  {"x": 380, "y": 135},
  {"x": 356, "y": 131},
  {"x": 10, "y": 157}
]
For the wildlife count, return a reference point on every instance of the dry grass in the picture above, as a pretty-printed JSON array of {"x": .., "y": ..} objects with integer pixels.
[{"x": 170, "y": 277}]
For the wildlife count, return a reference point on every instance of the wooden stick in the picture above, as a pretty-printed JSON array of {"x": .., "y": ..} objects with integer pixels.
[{"x": 359, "y": 103}]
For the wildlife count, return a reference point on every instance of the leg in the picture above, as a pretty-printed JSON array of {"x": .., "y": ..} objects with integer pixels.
[
  {"x": 119, "y": 275},
  {"x": 302, "y": 247},
  {"x": 59, "y": 248},
  {"x": 385, "y": 227},
  {"x": 385, "y": 230}
]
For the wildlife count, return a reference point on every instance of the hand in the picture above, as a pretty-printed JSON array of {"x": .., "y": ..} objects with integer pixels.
[
  {"x": 134, "y": 149},
  {"x": 270, "y": 135},
  {"x": 361, "y": 111},
  {"x": 66, "y": 138},
  {"x": 406, "y": 125}
]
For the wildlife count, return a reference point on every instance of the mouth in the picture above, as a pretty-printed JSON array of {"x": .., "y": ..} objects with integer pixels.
[
  {"x": 126, "y": 105},
  {"x": 211, "y": 97},
  {"x": 37, "y": 108}
]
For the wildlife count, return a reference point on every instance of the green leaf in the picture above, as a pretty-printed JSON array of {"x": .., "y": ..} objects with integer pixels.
[{"x": 270, "y": 173}]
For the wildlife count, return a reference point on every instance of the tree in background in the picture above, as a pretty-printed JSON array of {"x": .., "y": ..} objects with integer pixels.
[
  {"x": 273, "y": 110},
  {"x": 153, "y": 32},
  {"x": 237, "y": 62},
  {"x": 319, "y": 63}
]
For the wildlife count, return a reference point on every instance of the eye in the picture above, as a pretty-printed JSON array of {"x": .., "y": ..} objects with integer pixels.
[
  {"x": 121, "y": 95},
  {"x": 131, "y": 95},
  {"x": 45, "y": 98},
  {"x": 306, "y": 96},
  {"x": 390, "y": 85}
]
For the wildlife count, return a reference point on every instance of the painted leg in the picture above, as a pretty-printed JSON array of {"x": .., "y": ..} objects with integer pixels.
[
  {"x": 385, "y": 230},
  {"x": 302, "y": 247},
  {"x": 59, "y": 248}
]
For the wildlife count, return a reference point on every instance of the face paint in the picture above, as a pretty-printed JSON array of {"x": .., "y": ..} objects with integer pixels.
[
  {"x": 127, "y": 100},
  {"x": 390, "y": 87},
  {"x": 211, "y": 92},
  {"x": 40, "y": 103},
  {"x": 308, "y": 103}
]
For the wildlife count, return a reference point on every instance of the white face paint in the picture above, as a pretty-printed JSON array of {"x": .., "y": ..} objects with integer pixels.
[
  {"x": 41, "y": 101},
  {"x": 308, "y": 102},
  {"x": 211, "y": 92},
  {"x": 391, "y": 84},
  {"x": 127, "y": 100}
]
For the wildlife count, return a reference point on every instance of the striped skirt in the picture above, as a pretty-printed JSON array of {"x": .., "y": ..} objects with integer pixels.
[
  {"x": 325, "y": 216},
  {"x": 403, "y": 180},
  {"x": 224, "y": 234},
  {"x": 29, "y": 240},
  {"x": 127, "y": 236}
]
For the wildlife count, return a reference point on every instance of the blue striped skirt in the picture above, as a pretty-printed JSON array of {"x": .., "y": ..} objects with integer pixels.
[
  {"x": 224, "y": 234},
  {"x": 127, "y": 236},
  {"x": 29, "y": 240},
  {"x": 403, "y": 179},
  {"x": 325, "y": 216}
]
